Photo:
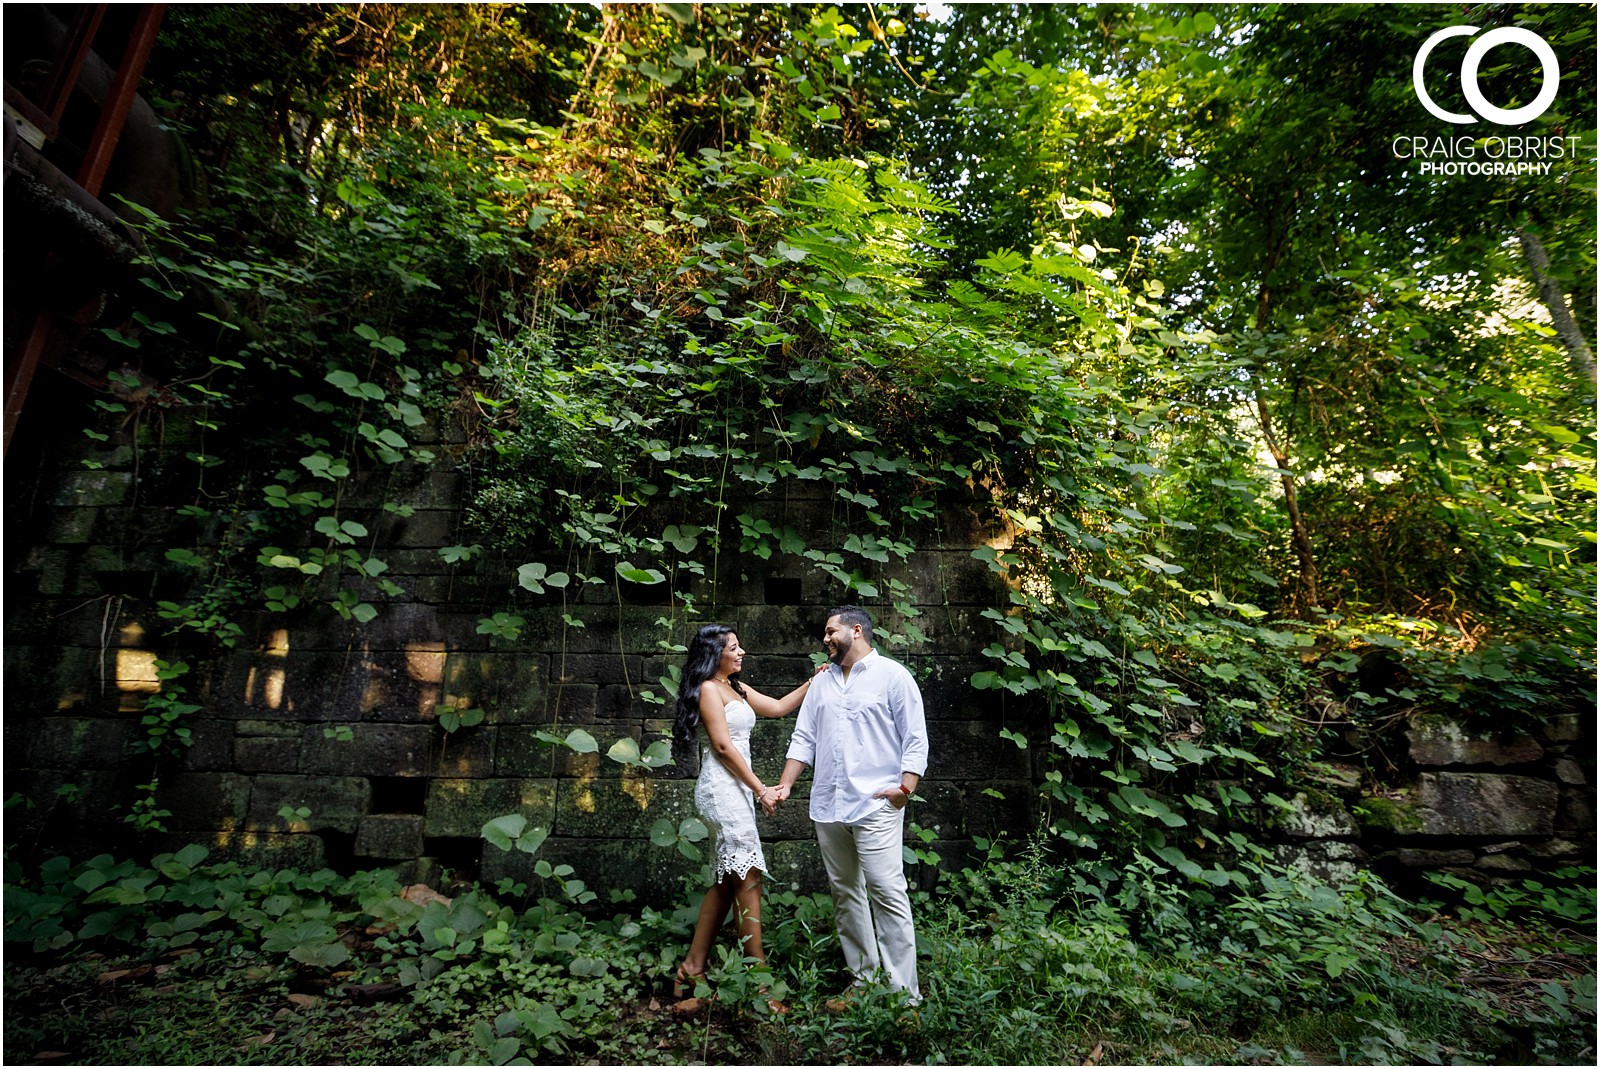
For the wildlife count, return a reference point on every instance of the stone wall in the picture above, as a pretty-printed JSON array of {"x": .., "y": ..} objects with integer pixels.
[
  {"x": 342, "y": 720},
  {"x": 1460, "y": 798}
]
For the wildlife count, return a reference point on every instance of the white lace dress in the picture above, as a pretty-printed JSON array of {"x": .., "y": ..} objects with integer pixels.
[{"x": 727, "y": 806}]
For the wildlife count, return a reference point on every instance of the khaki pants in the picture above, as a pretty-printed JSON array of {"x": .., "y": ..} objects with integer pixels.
[{"x": 872, "y": 907}]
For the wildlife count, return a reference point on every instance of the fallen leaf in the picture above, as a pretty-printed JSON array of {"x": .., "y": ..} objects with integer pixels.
[
  {"x": 305, "y": 1002},
  {"x": 260, "y": 1041},
  {"x": 421, "y": 894},
  {"x": 52, "y": 1056},
  {"x": 1094, "y": 1055}
]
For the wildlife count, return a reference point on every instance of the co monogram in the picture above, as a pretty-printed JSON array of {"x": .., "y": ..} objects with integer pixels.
[{"x": 1469, "y": 75}]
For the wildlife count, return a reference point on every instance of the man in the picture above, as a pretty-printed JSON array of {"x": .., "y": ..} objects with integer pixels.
[{"x": 862, "y": 731}]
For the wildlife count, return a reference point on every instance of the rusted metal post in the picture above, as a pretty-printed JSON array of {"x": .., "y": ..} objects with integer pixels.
[
  {"x": 19, "y": 372},
  {"x": 69, "y": 61},
  {"x": 114, "y": 109}
]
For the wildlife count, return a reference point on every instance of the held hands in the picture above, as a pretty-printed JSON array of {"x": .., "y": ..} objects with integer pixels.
[{"x": 770, "y": 797}]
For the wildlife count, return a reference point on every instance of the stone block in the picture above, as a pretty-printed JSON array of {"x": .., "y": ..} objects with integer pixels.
[
  {"x": 618, "y": 702},
  {"x": 598, "y": 668},
  {"x": 1431, "y": 859},
  {"x": 967, "y": 750},
  {"x": 1563, "y": 727},
  {"x": 1321, "y": 817},
  {"x": 1330, "y": 861},
  {"x": 602, "y": 866},
  {"x": 293, "y": 682},
  {"x": 1486, "y": 804},
  {"x": 405, "y": 564},
  {"x": 336, "y": 802},
  {"x": 574, "y": 703},
  {"x": 1575, "y": 816},
  {"x": 266, "y": 754},
  {"x": 269, "y": 729},
  {"x": 1390, "y": 815},
  {"x": 205, "y": 801},
  {"x": 958, "y": 627},
  {"x": 769, "y": 747},
  {"x": 391, "y": 836},
  {"x": 1556, "y": 848},
  {"x": 461, "y": 807},
  {"x": 946, "y": 685},
  {"x": 45, "y": 571},
  {"x": 518, "y": 752},
  {"x": 270, "y": 850},
  {"x": 620, "y": 807},
  {"x": 1335, "y": 776},
  {"x": 40, "y": 679},
  {"x": 773, "y": 631},
  {"x": 469, "y": 751},
  {"x": 606, "y": 733},
  {"x": 772, "y": 674},
  {"x": 211, "y": 746},
  {"x": 74, "y": 742},
  {"x": 1570, "y": 772},
  {"x": 1503, "y": 863},
  {"x": 375, "y": 750},
  {"x": 86, "y": 489},
  {"x": 793, "y": 818},
  {"x": 71, "y": 526},
  {"x": 797, "y": 865},
  {"x": 511, "y": 688},
  {"x": 1436, "y": 741},
  {"x": 978, "y": 813},
  {"x": 965, "y": 580},
  {"x": 423, "y": 529}
]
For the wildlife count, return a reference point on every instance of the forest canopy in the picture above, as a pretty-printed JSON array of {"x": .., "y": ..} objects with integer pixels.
[{"x": 1172, "y": 257}]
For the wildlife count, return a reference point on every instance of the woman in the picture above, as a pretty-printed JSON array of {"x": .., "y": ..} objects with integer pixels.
[{"x": 719, "y": 711}]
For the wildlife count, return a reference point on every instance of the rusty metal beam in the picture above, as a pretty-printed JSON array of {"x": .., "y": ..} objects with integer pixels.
[
  {"x": 69, "y": 61},
  {"x": 25, "y": 359},
  {"x": 19, "y": 372},
  {"x": 114, "y": 109}
]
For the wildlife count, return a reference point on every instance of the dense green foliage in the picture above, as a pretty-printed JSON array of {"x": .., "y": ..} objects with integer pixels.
[
  {"x": 201, "y": 962},
  {"x": 1276, "y": 439},
  {"x": 1264, "y": 425}
]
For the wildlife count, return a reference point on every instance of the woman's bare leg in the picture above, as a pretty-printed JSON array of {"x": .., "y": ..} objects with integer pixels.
[
  {"x": 748, "y": 898},
  {"x": 713, "y": 908}
]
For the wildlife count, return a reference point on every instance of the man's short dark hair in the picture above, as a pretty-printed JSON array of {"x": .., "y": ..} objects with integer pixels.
[{"x": 850, "y": 615}]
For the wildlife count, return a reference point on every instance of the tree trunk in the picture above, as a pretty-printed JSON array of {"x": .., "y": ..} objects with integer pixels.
[
  {"x": 1280, "y": 456},
  {"x": 1291, "y": 502},
  {"x": 1555, "y": 300}
]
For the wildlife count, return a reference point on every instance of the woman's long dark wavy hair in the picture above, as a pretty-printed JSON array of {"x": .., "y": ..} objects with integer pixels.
[{"x": 699, "y": 665}]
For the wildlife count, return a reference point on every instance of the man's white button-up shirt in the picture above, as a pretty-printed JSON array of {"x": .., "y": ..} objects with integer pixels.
[{"x": 858, "y": 736}]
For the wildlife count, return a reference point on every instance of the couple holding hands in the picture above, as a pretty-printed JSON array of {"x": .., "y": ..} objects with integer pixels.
[{"x": 862, "y": 732}]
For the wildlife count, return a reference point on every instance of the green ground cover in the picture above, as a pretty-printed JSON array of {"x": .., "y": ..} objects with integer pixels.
[{"x": 185, "y": 961}]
